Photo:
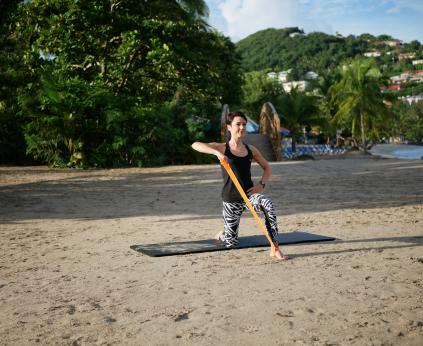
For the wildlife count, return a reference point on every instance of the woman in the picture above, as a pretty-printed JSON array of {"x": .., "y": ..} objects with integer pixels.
[{"x": 240, "y": 156}]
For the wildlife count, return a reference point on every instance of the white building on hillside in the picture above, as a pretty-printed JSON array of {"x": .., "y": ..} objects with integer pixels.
[
  {"x": 272, "y": 75},
  {"x": 311, "y": 75},
  {"x": 404, "y": 77},
  {"x": 281, "y": 77},
  {"x": 393, "y": 43},
  {"x": 294, "y": 34},
  {"x": 404, "y": 56},
  {"x": 373, "y": 54},
  {"x": 417, "y": 62},
  {"x": 302, "y": 85},
  {"x": 412, "y": 99}
]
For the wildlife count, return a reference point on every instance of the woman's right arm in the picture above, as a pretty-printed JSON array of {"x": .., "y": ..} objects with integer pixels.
[{"x": 217, "y": 149}]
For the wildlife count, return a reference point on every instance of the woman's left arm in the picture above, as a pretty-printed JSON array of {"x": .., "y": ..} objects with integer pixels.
[{"x": 267, "y": 170}]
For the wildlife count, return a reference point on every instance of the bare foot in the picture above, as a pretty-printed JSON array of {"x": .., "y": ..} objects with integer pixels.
[
  {"x": 278, "y": 254},
  {"x": 217, "y": 236}
]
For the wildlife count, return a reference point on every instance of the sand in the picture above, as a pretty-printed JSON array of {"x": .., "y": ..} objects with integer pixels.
[{"x": 68, "y": 276}]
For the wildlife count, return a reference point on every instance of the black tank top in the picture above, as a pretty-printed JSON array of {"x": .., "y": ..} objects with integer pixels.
[{"x": 241, "y": 166}]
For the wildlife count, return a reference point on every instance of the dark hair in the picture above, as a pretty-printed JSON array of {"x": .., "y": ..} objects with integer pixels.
[{"x": 230, "y": 117}]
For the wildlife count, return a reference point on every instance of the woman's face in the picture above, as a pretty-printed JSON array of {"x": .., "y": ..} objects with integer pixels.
[{"x": 238, "y": 127}]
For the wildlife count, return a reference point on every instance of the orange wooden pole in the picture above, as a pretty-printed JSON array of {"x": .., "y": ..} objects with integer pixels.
[{"x": 246, "y": 200}]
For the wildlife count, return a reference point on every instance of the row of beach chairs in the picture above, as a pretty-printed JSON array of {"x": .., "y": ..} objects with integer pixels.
[{"x": 323, "y": 149}]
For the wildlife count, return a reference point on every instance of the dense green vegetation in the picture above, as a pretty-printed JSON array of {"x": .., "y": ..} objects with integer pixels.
[
  {"x": 348, "y": 88},
  {"x": 258, "y": 89},
  {"x": 105, "y": 83},
  {"x": 276, "y": 50},
  {"x": 108, "y": 83},
  {"x": 13, "y": 77},
  {"x": 358, "y": 98},
  {"x": 408, "y": 120},
  {"x": 298, "y": 110}
]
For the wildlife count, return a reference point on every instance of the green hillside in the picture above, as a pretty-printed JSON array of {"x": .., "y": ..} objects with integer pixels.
[{"x": 282, "y": 49}]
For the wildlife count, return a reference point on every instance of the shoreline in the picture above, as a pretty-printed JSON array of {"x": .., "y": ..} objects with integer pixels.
[{"x": 398, "y": 151}]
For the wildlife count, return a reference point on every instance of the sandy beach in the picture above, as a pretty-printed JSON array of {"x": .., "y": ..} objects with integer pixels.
[{"x": 68, "y": 276}]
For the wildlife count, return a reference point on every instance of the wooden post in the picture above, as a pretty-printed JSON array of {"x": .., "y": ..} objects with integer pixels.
[
  {"x": 223, "y": 128},
  {"x": 270, "y": 125}
]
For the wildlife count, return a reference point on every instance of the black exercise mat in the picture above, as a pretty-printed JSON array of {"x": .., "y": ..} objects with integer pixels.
[{"x": 208, "y": 245}]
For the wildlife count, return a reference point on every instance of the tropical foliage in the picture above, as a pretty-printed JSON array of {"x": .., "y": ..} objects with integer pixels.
[
  {"x": 291, "y": 48},
  {"x": 121, "y": 83},
  {"x": 13, "y": 76},
  {"x": 276, "y": 49},
  {"x": 116, "y": 83},
  {"x": 408, "y": 121},
  {"x": 298, "y": 110},
  {"x": 258, "y": 89},
  {"x": 358, "y": 98}
]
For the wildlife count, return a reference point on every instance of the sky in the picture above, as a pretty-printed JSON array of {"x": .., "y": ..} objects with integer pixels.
[{"x": 401, "y": 19}]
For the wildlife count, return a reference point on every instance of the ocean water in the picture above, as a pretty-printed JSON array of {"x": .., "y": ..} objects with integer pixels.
[{"x": 398, "y": 151}]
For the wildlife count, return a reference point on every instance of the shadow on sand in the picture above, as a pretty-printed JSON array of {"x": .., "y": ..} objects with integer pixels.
[
  {"x": 403, "y": 242},
  {"x": 193, "y": 192}
]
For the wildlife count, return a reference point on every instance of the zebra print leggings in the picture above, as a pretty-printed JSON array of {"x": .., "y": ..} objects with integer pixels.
[{"x": 232, "y": 214}]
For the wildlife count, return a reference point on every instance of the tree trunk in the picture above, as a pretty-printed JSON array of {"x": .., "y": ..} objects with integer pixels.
[
  {"x": 293, "y": 144},
  {"x": 363, "y": 132}
]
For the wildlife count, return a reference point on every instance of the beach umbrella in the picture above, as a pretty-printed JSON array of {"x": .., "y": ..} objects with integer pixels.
[
  {"x": 253, "y": 127},
  {"x": 284, "y": 131}
]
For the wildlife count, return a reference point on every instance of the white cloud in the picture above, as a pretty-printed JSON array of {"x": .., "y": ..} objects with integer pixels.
[
  {"x": 216, "y": 19},
  {"x": 244, "y": 17},
  {"x": 240, "y": 18}
]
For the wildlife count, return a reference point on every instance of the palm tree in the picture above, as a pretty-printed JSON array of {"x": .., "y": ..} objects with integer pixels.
[
  {"x": 190, "y": 11},
  {"x": 326, "y": 109},
  {"x": 196, "y": 8},
  {"x": 297, "y": 109},
  {"x": 358, "y": 98}
]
